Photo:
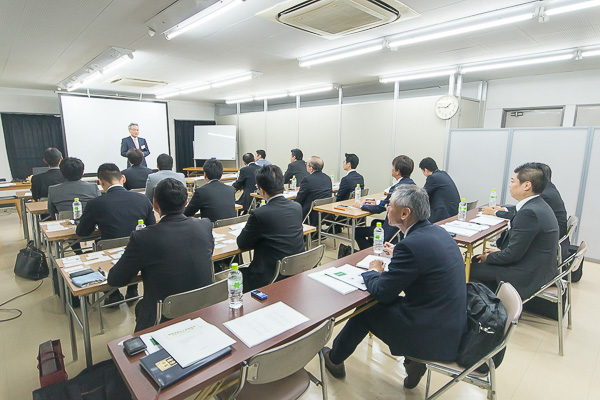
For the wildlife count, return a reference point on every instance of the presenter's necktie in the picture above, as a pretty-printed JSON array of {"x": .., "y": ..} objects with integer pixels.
[{"x": 135, "y": 142}]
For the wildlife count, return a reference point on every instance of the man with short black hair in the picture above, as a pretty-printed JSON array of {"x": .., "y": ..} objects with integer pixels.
[
  {"x": 163, "y": 254},
  {"x": 41, "y": 182},
  {"x": 274, "y": 231},
  {"x": 316, "y": 185},
  {"x": 296, "y": 167},
  {"x": 443, "y": 194},
  {"x": 164, "y": 162},
  {"x": 136, "y": 175},
  {"x": 260, "y": 158},
  {"x": 349, "y": 182},
  {"x": 61, "y": 196},
  {"x": 246, "y": 181},
  {"x": 214, "y": 199},
  {"x": 133, "y": 141}
]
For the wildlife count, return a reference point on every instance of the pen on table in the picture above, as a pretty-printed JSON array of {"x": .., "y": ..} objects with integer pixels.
[{"x": 102, "y": 272}]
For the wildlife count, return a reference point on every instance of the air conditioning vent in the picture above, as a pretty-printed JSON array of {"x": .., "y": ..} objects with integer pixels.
[{"x": 137, "y": 82}]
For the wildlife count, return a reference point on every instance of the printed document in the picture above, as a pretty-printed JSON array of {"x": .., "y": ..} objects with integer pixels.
[
  {"x": 332, "y": 283},
  {"x": 350, "y": 275}
]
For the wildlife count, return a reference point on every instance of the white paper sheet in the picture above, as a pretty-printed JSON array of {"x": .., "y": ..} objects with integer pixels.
[
  {"x": 116, "y": 256},
  {"x": 117, "y": 250},
  {"x": 288, "y": 195},
  {"x": 219, "y": 245},
  {"x": 364, "y": 263},
  {"x": 97, "y": 260},
  {"x": 487, "y": 220},
  {"x": 56, "y": 228},
  {"x": 459, "y": 231},
  {"x": 98, "y": 254},
  {"x": 332, "y": 283},
  {"x": 70, "y": 270},
  {"x": 236, "y": 233},
  {"x": 350, "y": 275},
  {"x": 236, "y": 227},
  {"x": 152, "y": 345},
  {"x": 3, "y": 185},
  {"x": 468, "y": 225}
]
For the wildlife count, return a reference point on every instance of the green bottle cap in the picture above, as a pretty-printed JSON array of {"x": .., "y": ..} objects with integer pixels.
[
  {"x": 140, "y": 221},
  {"x": 76, "y": 198},
  {"x": 379, "y": 224},
  {"x": 234, "y": 267}
]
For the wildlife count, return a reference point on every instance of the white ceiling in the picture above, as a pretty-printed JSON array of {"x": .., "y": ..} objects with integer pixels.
[{"x": 43, "y": 42}]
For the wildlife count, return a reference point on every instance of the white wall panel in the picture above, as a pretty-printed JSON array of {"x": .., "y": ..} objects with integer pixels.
[
  {"x": 251, "y": 133},
  {"x": 282, "y": 136},
  {"x": 590, "y": 214},
  {"x": 318, "y": 130}
]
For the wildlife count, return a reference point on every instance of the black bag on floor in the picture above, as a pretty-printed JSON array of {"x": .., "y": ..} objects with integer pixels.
[
  {"x": 99, "y": 382},
  {"x": 31, "y": 263},
  {"x": 486, "y": 319}
]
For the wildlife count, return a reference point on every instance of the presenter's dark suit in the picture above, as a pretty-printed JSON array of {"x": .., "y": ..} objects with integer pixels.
[
  {"x": 116, "y": 213},
  {"x": 215, "y": 200},
  {"x": 443, "y": 196},
  {"x": 527, "y": 256},
  {"x": 246, "y": 181},
  {"x": 41, "y": 182},
  {"x": 429, "y": 321},
  {"x": 169, "y": 264},
  {"x": 313, "y": 187},
  {"x": 127, "y": 143},
  {"x": 274, "y": 231},
  {"x": 364, "y": 235},
  {"x": 348, "y": 185},
  {"x": 296, "y": 168},
  {"x": 136, "y": 177}
]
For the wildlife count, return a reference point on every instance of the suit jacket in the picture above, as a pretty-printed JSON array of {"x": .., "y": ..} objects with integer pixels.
[
  {"x": 158, "y": 176},
  {"x": 246, "y": 181},
  {"x": 527, "y": 256},
  {"x": 61, "y": 196},
  {"x": 443, "y": 196},
  {"x": 297, "y": 168},
  {"x": 348, "y": 185},
  {"x": 429, "y": 321},
  {"x": 215, "y": 200},
  {"x": 169, "y": 265},
  {"x": 313, "y": 187},
  {"x": 136, "y": 177},
  {"x": 127, "y": 143},
  {"x": 116, "y": 213},
  {"x": 41, "y": 182},
  {"x": 274, "y": 231}
]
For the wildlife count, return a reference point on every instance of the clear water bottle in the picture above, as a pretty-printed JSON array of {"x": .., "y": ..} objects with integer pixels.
[
  {"x": 462, "y": 210},
  {"x": 378, "y": 239},
  {"x": 77, "y": 209},
  {"x": 332, "y": 176},
  {"x": 140, "y": 225},
  {"x": 293, "y": 183},
  {"x": 357, "y": 192},
  {"x": 493, "y": 197},
  {"x": 235, "y": 285},
  {"x": 263, "y": 203}
]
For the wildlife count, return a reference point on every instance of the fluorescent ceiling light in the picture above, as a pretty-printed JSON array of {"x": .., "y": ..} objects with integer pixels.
[
  {"x": 207, "y": 85},
  {"x": 246, "y": 76},
  {"x": 236, "y": 101},
  {"x": 99, "y": 67},
  {"x": 203, "y": 16},
  {"x": 343, "y": 52},
  {"x": 517, "y": 63},
  {"x": 116, "y": 64},
  {"x": 414, "y": 37},
  {"x": 573, "y": 7},
  {"x": 196, "y": 88},
  {"x": 271, "y": 96},
  {"x": 417, "y": 75},
  {"x": 319, "y": 89},
  {"x": 168, "y": 94},
  {"x": 590, "y": 53}
]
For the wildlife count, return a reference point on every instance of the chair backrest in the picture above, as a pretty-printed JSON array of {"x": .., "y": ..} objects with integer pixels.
[
  {"x": 180, "y": 304},
  {"x": 511, "y": 300},
  {"x": 298, "y": 263},
  {"x": 67, "y": 214},
  {"x": 572, "y": 223},
  {"x": 364, "y": 192},
  {"x": 231, "y": 221},
  {"x": 316, "y": 203},
  {"x": 221, "y": 276},
  {"x": 111, "y": 243},
  {"x": 578, "y": 257},
  {"x": 282, "y": 361},
  {"x": 472, "y": 204}
]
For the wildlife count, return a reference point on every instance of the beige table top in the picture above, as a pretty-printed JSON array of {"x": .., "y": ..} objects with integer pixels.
[
  {"x": 37, "y": 207},
  {"x": 14, "y": 186},
  {"x": 350, "y": 212}
]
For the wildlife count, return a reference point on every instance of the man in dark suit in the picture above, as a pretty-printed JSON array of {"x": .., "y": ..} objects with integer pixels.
[
  {"x": 214, "y": 199},
  {"x": 429, "y": 320},
  {"x": 116, "y": 213},
  {"x": 316, "y": 185},
  {"x": 402, "y": 167},
  {"x": 527, "y": 252},
  {"x": 61, "y": 196},
  {"x": 351, "y": 180},
  {"x": 162, "y": 252},
  {"x": 41, "y": 182},
  {"x": 134, "y": 142},
  {"x": 247, "y": 181},
  {"x": 296, "y": 167},
  {"x": 443, "y": 194},
  {"x": 136, "y": 175},
  {"x": 274, "y": 231}
]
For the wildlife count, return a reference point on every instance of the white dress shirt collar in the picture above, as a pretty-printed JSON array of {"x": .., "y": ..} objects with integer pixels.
[{"x": 525, "y": 200}]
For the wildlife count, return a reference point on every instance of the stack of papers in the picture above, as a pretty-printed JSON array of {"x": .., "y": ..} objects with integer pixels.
[
  {"x": 71, "y": 261},
  {"x": 55, "y": 226},
  {"x": 236, "y": 227},
  {"x": 235, "y": 233},
  {"x": 348, "y": 274},
  {"x": 462, "y": 228},
  {"x": 367, "y": 260},
  {"x": 487, "y": 219},
  {"x": 332, "y": 283}
]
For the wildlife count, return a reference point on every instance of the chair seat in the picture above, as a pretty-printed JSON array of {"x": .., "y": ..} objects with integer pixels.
[
  {"x": 454, "y": 367},
  {"x": 290, "y": 388}
]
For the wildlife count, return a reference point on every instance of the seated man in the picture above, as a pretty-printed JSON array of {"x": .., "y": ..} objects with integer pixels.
[
  {"x": 274, "y": 231},
  {"x": 527, "y": 254},
  {"x": 246, "y": 181},
  {"x": 162, "y": 252},
  {"x": 429, "y": 321},
  {"x": 402, "y": 167},
  {"x": 316, "y": 185},
  {"x": 116, "y": 213},
  {"x": 136, "y": 175},
  {"x": 260, "y": 158},
  {"x": 214, "y": 199},
  {"x": 352, "y": 178},
  {"x": 41, "y": 182},
  {"x": 443, "y": 194},
  {"x": 296, "y": 167},
  {"x": 61, "y": 196},
  {"x": 164, "y": 163}
]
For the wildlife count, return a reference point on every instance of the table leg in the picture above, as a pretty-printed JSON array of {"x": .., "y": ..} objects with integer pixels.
[
  {"x": 468, "y": 256},
  {"x": 61, "y": 283},
  {"x": 36, "y": 233},
  {"x": 87, "y": 343},
  {"x": 353, "y": 235},
  {"x": 72, "y": 334},
  {"x": 24, "y": 219},
  {"x": 319, "y": 227}
]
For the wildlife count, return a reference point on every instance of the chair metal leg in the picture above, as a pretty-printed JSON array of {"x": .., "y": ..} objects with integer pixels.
[
  {"x": 492, "y": 379},
  {"x": 100, "y": 316},
  {"x": 560, "y": 320},
  {"x": 323, "y": 375},
  {"x": 428, "y": 383},
  {"x": 569, "y": 305}
]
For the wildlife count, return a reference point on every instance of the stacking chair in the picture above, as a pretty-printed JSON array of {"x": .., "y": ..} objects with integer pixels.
[
  {"x": 278, "y": 373},
  {"x": 176, "y": 305},
  {"x": 572, "y": 223},
  {"x": 68, "y": 214},
  {"x": 555, "y": 289},
  {"x": 471, "y": 205},
  {"x": 298, "y": 263},
  {"x": 316, "y": 203},
  {"x": 512, "y": 303},
  {"x": 231, "y": 221},
  {"x": 112, "y": 243}
]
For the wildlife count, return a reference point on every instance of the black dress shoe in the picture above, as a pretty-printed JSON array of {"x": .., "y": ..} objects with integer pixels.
[
  {"x": 337, "y": 370},
  {"x": 414, "y": 373},
  {"x": 113, "y": 298},
  {"x": 131, "y": 293}
]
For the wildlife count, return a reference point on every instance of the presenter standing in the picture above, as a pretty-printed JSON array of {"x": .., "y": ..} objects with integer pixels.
[{"x": 134, "y": 142}]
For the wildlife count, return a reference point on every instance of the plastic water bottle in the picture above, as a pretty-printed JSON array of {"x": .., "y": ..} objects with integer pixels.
[
  {"x": 235, "y": 285},
  {"x": 493, "y": 197},
  {"x": 378, "y": 239},
  {"x": 332, "y": 177},
  {"x": 140, "y": 225},
  {"x": 357, "y": 192},
  {"x": 263, "y": 203},
  {"x": 77, "y": 210},
  {"x": 462, "y": 210},
  {"x": 293, "y": 183}
]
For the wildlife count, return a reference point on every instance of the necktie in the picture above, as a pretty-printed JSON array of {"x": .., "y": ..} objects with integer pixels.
[{"x": 135, "y": 142}]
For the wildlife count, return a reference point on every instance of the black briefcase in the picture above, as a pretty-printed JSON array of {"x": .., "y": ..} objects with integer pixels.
[{"x": 31, "y": 263}]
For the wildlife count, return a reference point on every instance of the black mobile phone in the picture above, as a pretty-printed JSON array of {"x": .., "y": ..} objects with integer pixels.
[
  {"x": 452, "y": 234},
  {"x": 133, "y": 346},
  {"x": 258, "y": 295}
]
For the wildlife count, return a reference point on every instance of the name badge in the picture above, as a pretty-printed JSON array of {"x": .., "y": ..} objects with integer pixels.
[{"x": 143, "y": 146}]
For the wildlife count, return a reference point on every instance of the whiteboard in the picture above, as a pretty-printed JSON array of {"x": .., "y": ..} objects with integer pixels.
[
  {"x": 94, "y": 126},
  {"x": 215, "y": 141}
]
